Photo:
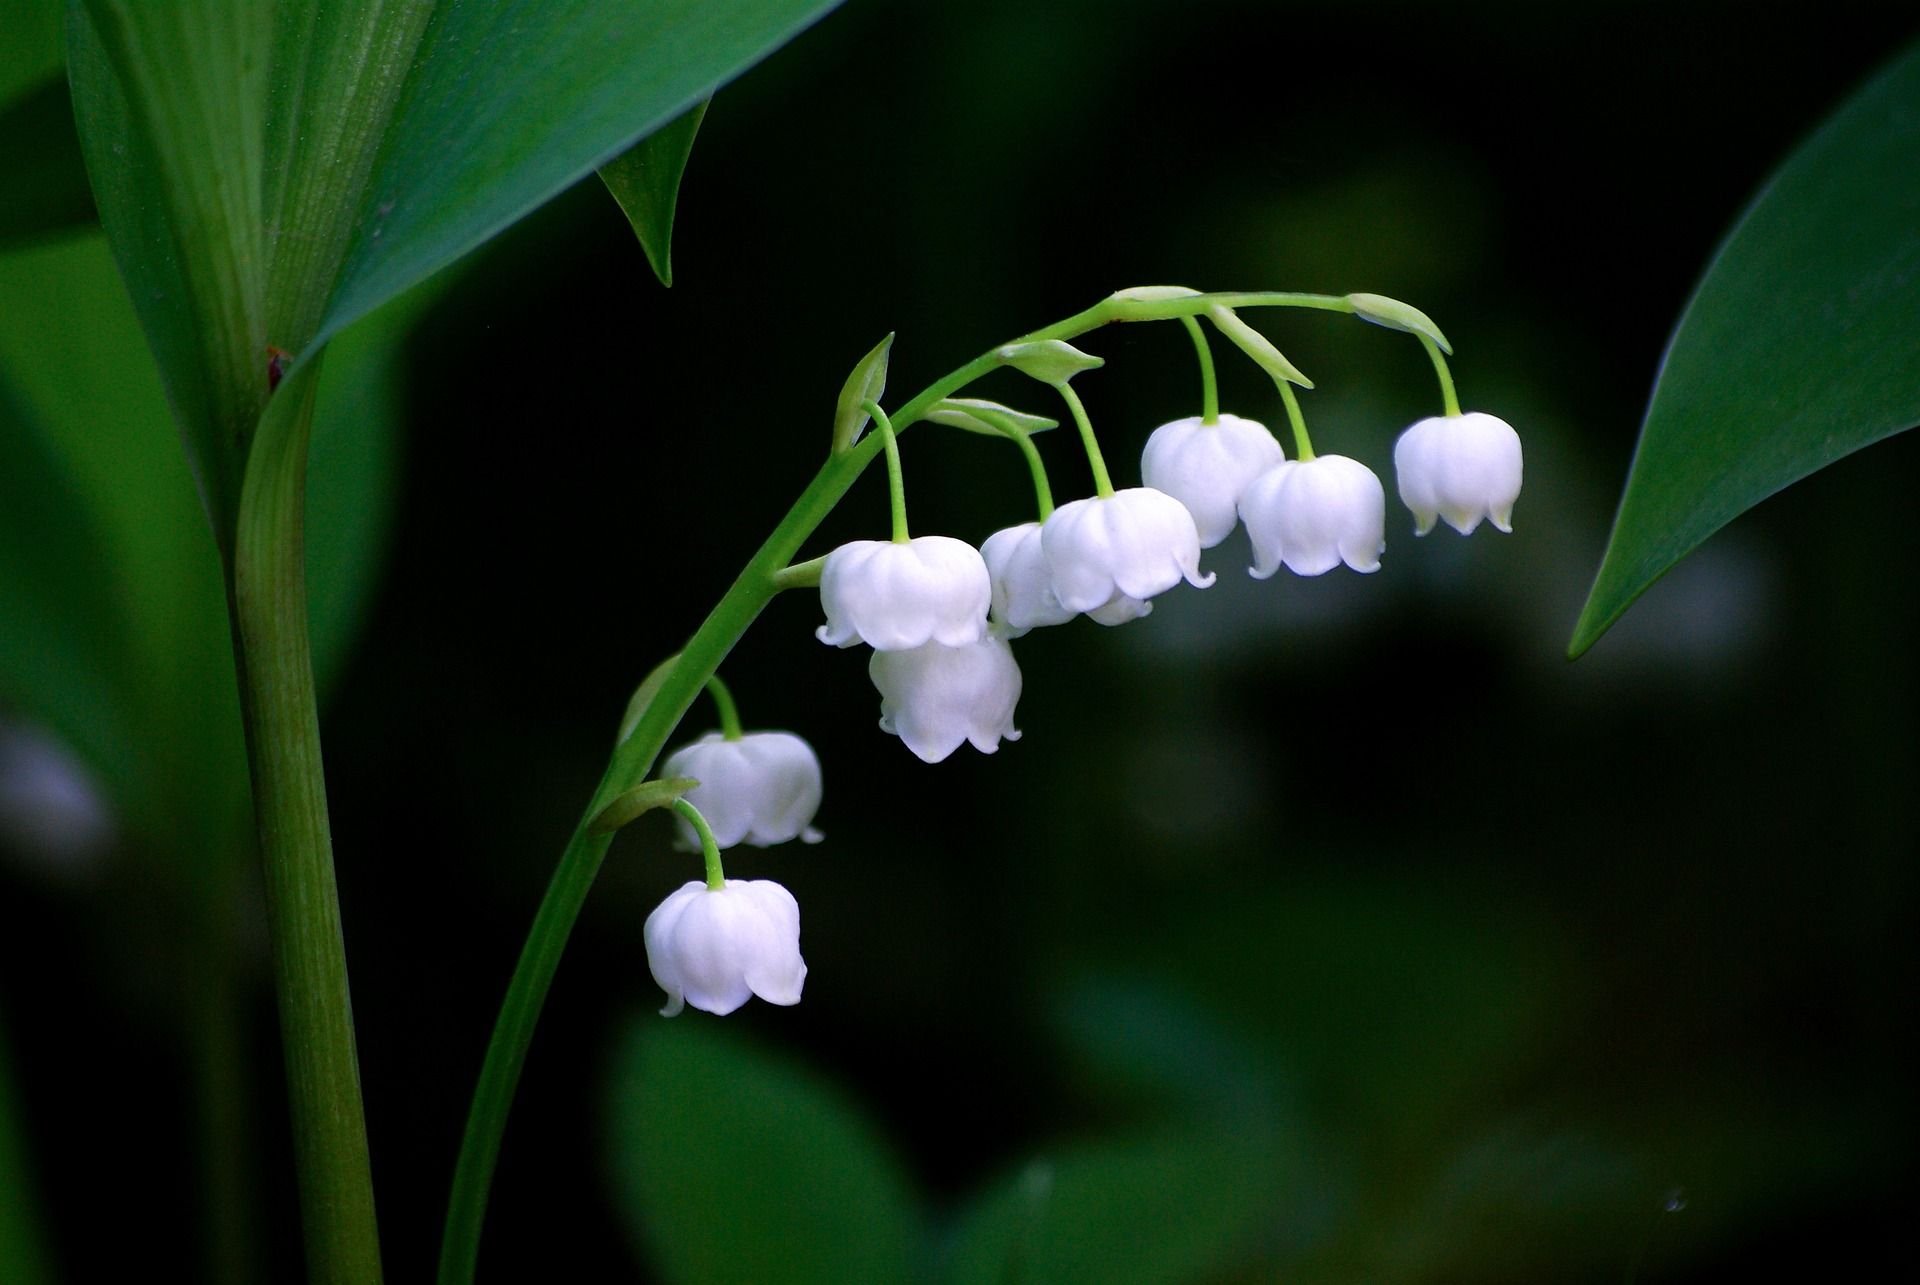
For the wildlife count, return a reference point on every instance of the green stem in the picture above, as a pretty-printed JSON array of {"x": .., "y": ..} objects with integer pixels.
[
  {"x": 1302, "y": 444},
  {"x": 1042, "y": 490},
  {"x": 724, "y": 706},
  {"x": 896, "y": 484},
  {"x": 1209, "y": 390},
  {"x": 709, "y": 850},
  {"x": 1439, "y": 359},
  {"x": 762, "y": 577},
  {"x": 268, "y": 600},
  {"x": 1102, "y": 484}
]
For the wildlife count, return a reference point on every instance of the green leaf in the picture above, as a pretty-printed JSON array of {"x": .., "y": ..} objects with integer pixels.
[
  {"x": 732, "y": 1164},
  {"x": 866, "y": 383},
  {"x": 978, "y": 415},
  {"x": 1800, "y": 345},
  {"x": 40, "y": 155},
  {"x": 170, "y": 100},
  {"x": 508, "y": 104},
  {"x": 1173, "y": 1207},
  {"x": 645, "y": 180}
]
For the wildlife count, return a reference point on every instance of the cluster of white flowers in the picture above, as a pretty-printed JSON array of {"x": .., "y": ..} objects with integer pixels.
[{"x": 940, "y": 615}]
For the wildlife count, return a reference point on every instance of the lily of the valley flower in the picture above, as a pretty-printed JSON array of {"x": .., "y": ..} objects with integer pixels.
[
  {"x": 1132, "y": 544},
  {"x": 715, "y": 948},
  {"x": 896, "y": 595},
  {"x": 1461, "y": 468},
  {"x": 760, "y": 789},
  {"x": 1207, "y": 467},
  {"x": 934, "y": 697},
  {"x": 1023, "y": 597},
  {"x": 1315, "y": 514}
]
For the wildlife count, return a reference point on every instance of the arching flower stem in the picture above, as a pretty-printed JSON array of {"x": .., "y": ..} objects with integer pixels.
[
  {"x": 723, "y": 706},
  {"x": 1439, "y": 359},
  {"x": 716, "y": 877},
  {"x": 1209, "y": 388}
]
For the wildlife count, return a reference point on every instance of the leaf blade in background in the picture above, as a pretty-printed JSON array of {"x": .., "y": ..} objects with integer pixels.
[
  {"x": 47, "y": 190},
  {"x": 732, "y": 1164},
  {"x": 507, "y": 106},
  {"x": 1799, "y": 346},
  {"x": 645, "y": 180}
]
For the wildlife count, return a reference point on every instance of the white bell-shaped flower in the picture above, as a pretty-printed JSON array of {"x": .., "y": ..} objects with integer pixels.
[
  {"x": 1461, "y": 468},
  {"x": 898, "y": 595},
  {"x": 1208, "y": 467},
  {"x": 934, "y": 697},
  {"x": 1315, "y": 514},
  {"x": 1023, "y": 597},
  {"x": 761, "y": 789},
  {"x": 715, "y": 948},
  {"x": 1131, "y": 544}
]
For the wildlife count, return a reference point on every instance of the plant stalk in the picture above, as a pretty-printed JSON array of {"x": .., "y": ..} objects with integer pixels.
[{"x": 268, "y": 601}]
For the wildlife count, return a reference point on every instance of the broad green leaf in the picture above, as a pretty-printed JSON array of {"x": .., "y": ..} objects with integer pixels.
[
  {"x": 507, "y": 104},
  {"x": 645, "y": 180},
  {"x": 1181, "y": 1206},
  {"x": 735, "y": 1165},
  {"x": 170, "y": 100},
  {"x": 867, "y": 382},
  {"x": 1800, "y": 346},
  {"x": 40, "y": 155},
  {"x": 23, "y": 1259}
]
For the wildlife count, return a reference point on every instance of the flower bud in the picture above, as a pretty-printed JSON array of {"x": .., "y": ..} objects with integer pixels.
[
  {"x": 1207, "y": 467},
  {"x": 1461, "y": 468},
  {"x": 1023, "y": 596},
  {"x": 935, "y": 697},
  {"x": 715, "y": 948},
  {"x": 1315, "y": 514},
  {"x": 895, "y": 596},
  {"x": 762, "y": 789},
  {"x": 1132, "y": 544}
]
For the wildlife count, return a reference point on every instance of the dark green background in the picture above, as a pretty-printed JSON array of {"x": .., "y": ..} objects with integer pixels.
[{"x": 1482, "y": 956}]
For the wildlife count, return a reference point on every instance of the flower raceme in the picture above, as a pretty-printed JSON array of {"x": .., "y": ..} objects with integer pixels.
[
  {"x": 715, "y": 948},
  {"x": 935, "y": 697},
  {"x": 761, "y": 789},
  {"x": 1460, "y": 468},
  {"x": 1108, "y": 554},
  {"x": 1207, "y": 467},
  {"x": 1312, "y": 515},
  {"x": 898, "y": 595}
]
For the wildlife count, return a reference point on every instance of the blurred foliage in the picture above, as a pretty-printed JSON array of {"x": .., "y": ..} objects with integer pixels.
[{"x": 1330, "y": 930}]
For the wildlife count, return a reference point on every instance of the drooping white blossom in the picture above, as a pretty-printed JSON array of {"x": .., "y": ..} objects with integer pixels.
[
  {"x": 1023, "y": 597},
  {"x": 716, "y": 948},
  {"x": 934, "y": 697},
  {"x": 1207, "y": 467},
  {"x": 761, "y": 789},
  {"x": 1312, "y": 515},
  {"x": 898, "y": 595},
  {"x": 1461, "y": 468},
  {"x": 1131, "y": 544}
]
